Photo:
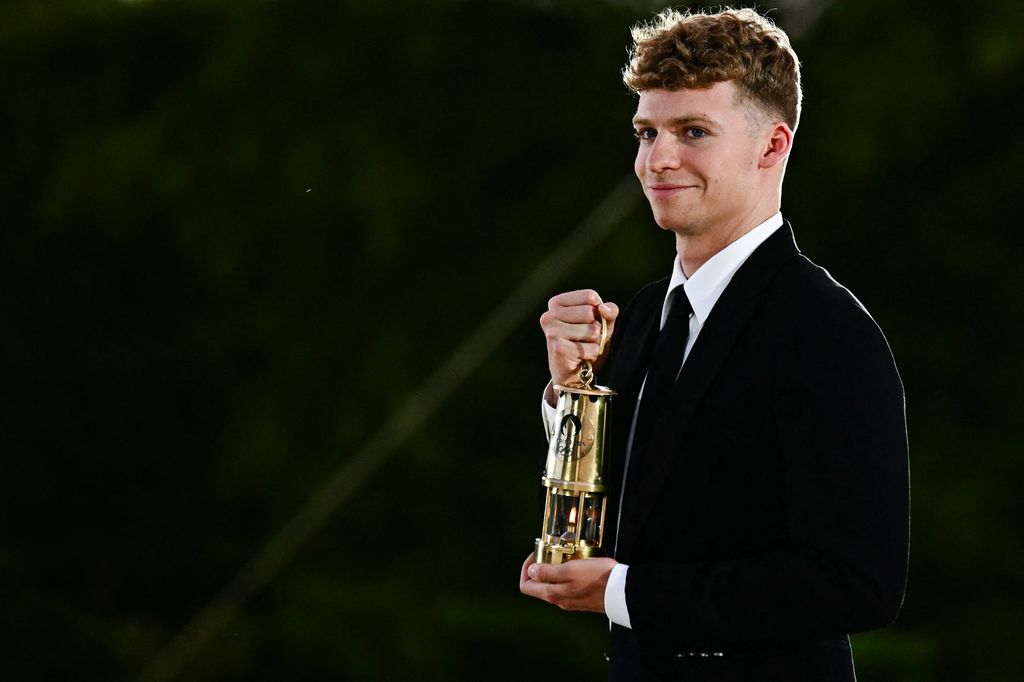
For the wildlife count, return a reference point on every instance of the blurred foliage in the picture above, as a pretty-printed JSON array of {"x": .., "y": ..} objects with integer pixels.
[{"x": 236, "y": 235}]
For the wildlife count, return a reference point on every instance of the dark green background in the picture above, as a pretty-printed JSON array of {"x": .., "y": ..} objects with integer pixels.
[{"x": 235, "y": 236}]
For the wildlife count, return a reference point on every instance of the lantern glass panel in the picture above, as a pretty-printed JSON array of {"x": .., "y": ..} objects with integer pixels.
[
  {"x": 590, "y": 518},
  {"x": 561, "y": 503}
]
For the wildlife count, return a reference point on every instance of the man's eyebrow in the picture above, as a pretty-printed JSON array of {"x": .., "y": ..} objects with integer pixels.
[{"x": 679, "y": 121}]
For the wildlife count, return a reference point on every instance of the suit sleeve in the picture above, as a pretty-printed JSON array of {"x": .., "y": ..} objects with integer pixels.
[{"x": 839, "y": 414}]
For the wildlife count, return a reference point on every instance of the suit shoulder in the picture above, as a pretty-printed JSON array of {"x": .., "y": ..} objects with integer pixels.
[
  {"x": 809, "y": 288},
  {"x": 651, "y": 290},
  {"x": 816, "y": 305},
  {"x": 649, "y": 296}
]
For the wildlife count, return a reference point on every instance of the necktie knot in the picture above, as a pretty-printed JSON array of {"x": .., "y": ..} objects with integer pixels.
[{"x": 678, "y": 305}]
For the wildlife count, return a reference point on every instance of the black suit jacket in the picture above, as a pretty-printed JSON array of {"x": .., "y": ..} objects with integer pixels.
[{"x": 769, "y": 516}]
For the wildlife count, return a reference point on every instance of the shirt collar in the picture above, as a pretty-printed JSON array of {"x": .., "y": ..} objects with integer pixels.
[{"x": 705, "y": 286}]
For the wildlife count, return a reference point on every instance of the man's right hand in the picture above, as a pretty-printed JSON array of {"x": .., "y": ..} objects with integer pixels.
[{"x": 572, "y": 326}]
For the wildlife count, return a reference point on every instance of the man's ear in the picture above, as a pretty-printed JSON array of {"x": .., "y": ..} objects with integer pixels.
[{"x": 777, "y": 146}]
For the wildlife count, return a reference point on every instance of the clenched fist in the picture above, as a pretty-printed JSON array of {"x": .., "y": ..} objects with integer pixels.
[{"x": 572, "y": 326}]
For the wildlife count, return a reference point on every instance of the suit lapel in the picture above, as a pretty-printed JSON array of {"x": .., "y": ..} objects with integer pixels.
[
  {"x": 633, "y": 344},
  {"x": 630, "y": 366},
  {"x": 630, "y": 362},
  {"x": 727, "y": 320}
]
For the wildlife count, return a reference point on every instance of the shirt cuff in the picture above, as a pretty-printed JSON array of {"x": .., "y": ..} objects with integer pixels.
[
  {"x": 547, "y": 412},
  {"x": 615, "y": 596}
]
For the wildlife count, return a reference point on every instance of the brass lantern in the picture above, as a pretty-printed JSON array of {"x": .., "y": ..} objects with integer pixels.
[{"x": 575, "y": 474}]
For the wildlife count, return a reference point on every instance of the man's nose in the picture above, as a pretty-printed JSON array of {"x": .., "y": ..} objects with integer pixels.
[{"x": 664, "y": 155}]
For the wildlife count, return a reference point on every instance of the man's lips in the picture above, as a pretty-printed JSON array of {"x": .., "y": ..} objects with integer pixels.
[{"x": 666, "y": 189}]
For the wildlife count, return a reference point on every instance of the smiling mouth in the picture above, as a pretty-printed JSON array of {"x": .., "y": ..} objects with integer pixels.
[{"x": 665, "y": 190}]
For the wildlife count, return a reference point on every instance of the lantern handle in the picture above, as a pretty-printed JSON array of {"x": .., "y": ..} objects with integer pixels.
[
  {"x": 586, "y": 371},
  {"x": 586, "y": 375}
]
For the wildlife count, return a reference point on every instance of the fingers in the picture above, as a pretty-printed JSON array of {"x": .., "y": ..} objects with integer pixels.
[
  {"x": 573, "y": 351},
  {"x": 580, "y": 297},
  {"x": 560, "y": 330},
  {"x": 572, "y": 327},
  {"x": 583, "y": 314},
  {"x": 574, "y": 586},
  {"x": 547, "y": 582}
]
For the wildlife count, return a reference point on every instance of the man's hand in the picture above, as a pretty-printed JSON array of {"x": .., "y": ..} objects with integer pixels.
[
  {"x": 572, "y": 326},
  {"x": 577, "y": 585}
]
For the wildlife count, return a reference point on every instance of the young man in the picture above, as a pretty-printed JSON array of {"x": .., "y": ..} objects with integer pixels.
[{"x": 760, "y": 495}]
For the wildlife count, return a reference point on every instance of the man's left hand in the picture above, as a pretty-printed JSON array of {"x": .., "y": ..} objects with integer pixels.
[{"x": 573, "y": 586}]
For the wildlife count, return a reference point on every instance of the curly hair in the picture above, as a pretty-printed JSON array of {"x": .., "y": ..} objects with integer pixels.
[{"x": 686, "y": 50}]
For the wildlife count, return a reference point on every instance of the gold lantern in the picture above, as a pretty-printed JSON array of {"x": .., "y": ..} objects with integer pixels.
[{"x": 575, "y": 473}]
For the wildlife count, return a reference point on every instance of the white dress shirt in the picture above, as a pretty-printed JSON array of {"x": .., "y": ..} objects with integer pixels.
[{"x": 703, "y": 289}]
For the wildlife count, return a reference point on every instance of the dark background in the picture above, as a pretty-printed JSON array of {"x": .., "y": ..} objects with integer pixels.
[{"x": 236, "y": 236}]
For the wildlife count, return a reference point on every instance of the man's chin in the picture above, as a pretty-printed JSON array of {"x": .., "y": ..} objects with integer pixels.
[{"x": 686, "y": 228}]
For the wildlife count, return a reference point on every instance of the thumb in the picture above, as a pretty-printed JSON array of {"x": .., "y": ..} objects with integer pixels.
[
  {"x": 548, "y": 573},
  {"x": 608, "y": 311}
]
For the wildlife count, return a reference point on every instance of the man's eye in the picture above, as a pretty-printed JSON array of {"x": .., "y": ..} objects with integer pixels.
[
  {"x": 696, "y": 133},
  {"x": 645, "y": 133}
]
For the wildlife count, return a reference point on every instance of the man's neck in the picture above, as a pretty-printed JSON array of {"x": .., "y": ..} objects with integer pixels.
[{"x": 696, "y": 249}]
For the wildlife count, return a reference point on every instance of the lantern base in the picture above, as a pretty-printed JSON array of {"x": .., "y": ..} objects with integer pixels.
[{"x": 558, "y": 553}]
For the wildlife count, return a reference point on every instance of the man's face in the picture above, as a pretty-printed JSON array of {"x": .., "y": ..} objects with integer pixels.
[{"x": 698, "y": 159}]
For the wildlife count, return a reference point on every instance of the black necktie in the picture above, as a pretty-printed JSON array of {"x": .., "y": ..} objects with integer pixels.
[{"x": 666, "y": 361}]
